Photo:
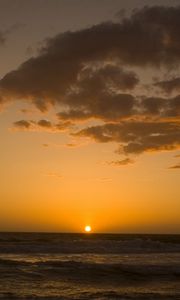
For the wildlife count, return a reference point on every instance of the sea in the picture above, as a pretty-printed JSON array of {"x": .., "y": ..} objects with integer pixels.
[{"x": 89, "y": 266}]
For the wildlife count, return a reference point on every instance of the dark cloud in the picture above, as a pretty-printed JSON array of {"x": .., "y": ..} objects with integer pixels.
[
  {"x": 137, "y": 137},
  {"x": 98, "y": 94},
  {"x": 41, "y": 125},
  {"x": 45, "y": 123},
  {"x": 22, "y": 124},
  {"x": 108, "y": 75},
  {"x": 149, "y": 37},
  {"x": 153, "y": 105},
  {"x": 161, "y": 107},
  {"x": 93, "y": 74},
  {"x": 173, "y": 109},
  {"x": 106, "y": 107},
  {"x": 169, "y": 86}
]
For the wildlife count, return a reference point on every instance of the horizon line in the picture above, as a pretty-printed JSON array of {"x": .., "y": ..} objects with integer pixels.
[{"x": 90, "y": 233}]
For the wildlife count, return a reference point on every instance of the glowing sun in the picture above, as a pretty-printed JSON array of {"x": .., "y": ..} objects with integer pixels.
[{"x": 87, "y": 228}]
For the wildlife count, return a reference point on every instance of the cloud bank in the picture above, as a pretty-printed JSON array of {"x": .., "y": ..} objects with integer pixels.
[{"x": 94, "y": 74}]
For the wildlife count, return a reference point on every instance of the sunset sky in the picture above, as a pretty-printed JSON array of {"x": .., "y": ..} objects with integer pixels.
[{"x": 90, "y": 115}]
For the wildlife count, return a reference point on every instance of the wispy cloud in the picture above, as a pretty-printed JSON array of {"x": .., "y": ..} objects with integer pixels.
[
  {"x": 53, "y": 175},
  {"x": 10, "y": 30},
  {"x": 120, "y": 163},
  {"x": 174, "y": 167}
]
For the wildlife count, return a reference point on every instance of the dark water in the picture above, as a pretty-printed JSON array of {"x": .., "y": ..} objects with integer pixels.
[{"x": 95, "y": 266}]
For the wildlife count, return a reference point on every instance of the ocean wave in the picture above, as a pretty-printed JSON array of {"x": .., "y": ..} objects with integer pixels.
[
  {"x": 104, "y": 295},
  {"x": 89, "y": 267},
  {"x": 88, "y": 271},
  {"x": 79, "y": 243}
]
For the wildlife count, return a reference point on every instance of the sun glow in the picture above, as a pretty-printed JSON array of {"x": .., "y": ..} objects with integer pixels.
[{"x": 87, "y": 228}]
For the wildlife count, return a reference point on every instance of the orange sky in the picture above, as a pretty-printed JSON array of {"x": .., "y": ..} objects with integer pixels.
[{"x": 82, "y": 173}]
